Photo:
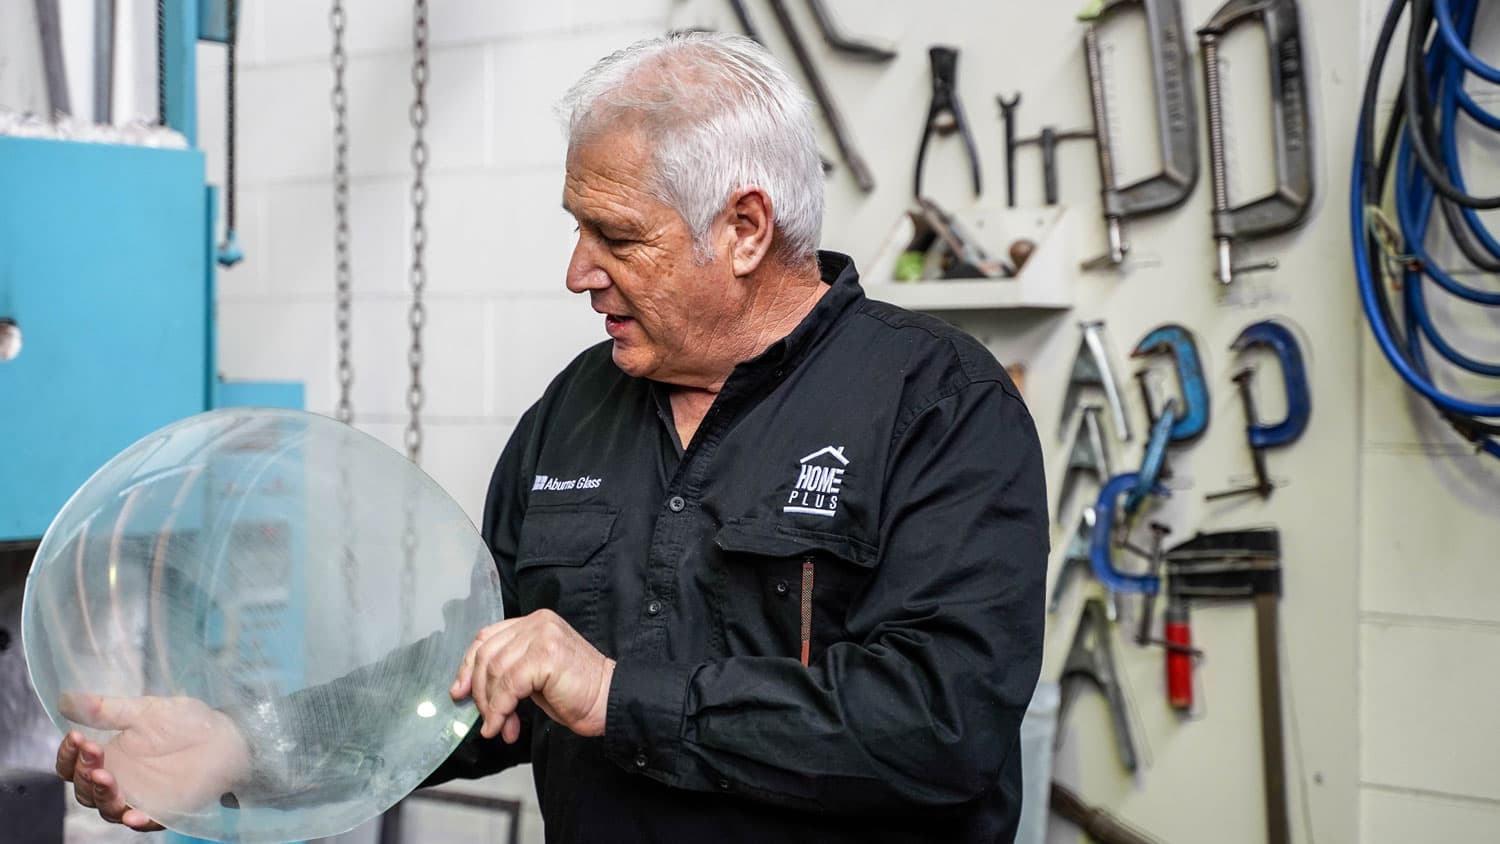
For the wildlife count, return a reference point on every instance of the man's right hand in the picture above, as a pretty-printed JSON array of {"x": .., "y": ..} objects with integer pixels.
[{"x": 176, "y": 755}]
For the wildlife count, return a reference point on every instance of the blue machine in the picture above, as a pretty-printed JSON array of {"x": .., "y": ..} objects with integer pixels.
[
  {"x": 107, "y": 279},
  {"x": 107, "y": 276}
]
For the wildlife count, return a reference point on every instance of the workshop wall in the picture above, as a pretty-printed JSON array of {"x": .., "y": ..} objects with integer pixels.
[
  {"x": 499, "y": 322},
  {"x": 1392, "y": 605}
]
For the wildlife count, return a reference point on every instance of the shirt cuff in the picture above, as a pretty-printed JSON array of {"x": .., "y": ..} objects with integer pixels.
[{"x": 643, "y": 720}]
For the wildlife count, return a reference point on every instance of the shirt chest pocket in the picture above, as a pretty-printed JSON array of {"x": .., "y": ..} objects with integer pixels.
[
  {"x": 788, "y": 592},
  {"x": 560, "y": 563}
]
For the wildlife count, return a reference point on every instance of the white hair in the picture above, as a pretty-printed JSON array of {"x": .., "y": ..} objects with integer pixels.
[{"x": 721, "y": 114}]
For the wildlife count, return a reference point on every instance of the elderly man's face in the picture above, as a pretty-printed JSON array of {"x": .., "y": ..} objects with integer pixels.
[{"x": 672, "y": 319}]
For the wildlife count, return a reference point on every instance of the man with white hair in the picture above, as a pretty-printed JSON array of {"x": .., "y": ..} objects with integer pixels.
[{"x": 774, "y": 553}]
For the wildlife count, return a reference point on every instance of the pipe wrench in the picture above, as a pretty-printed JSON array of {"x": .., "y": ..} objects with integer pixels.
[
  {"x": 1176, "y": 122},
  {"x": 1286, "y": 207}
]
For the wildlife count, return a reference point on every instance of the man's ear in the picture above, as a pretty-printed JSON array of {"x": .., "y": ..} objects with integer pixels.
[{"x": 749, "y": 228}]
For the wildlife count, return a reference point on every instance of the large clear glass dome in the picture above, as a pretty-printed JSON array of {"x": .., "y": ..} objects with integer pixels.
[{"x": 272, "y": 606}]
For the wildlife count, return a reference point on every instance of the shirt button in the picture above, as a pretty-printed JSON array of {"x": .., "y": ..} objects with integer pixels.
[
  {"x": 782, "y": 587},
  {"x": 653, "y": 607},
  {"x": 676, "y": 503},
  {"x": 640, "y": 760}
]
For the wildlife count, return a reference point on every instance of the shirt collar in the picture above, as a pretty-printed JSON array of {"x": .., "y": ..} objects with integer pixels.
[{"x": 838, "y": 272}]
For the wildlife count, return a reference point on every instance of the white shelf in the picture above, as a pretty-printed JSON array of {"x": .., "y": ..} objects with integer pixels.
[{"x": 1044, "y": 283}]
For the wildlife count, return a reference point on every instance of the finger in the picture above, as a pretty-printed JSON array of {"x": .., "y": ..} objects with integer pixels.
[
  {"x": 508, "y": 681},
  {"x": 83, "y": 791},
  {"x": 137, "y": 820},
  {"x": 461, "y": 687},
  {"x": 107, "y": 798},
  {"x": 105, "y": 713},
  {"x": 67, "y": 754},
  {"x": 511, "y": 729},
  {"x": 90, "y": 756},
  {"x": 494, "y": 662}
]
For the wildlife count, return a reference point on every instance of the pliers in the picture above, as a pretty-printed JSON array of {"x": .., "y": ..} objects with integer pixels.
[{"x": 946, "y": 114}]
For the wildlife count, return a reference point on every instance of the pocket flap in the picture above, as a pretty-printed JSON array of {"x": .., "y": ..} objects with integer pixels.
[
  {"x": 562, "y": 537},
  {"x": 774, "y": 540}
]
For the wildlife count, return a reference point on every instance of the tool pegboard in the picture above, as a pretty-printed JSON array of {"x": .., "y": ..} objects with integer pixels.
[{"x": 1199, "y": 771}]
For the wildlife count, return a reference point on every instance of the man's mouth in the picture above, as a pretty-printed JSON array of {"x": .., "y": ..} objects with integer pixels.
[{"x": 615, "y": 325}]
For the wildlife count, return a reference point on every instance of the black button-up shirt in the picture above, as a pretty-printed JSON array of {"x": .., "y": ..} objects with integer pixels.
[{"x": 826, "y": 609}]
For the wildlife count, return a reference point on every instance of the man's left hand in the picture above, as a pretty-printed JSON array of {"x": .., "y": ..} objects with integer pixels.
[{"x": 541, "y": 657}]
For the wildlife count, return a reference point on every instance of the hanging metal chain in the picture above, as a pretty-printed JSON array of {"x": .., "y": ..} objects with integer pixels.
[
  {"x": 417, "y": 315},
  {"x": 341, "y": 272},
  {"x": 342, "y": 277},
  {"x": 229, "y": 249},
  {"x": 418, "y": 276},
  {"x": 231, "y": 60},
  {"x": 161, "y": 62}
]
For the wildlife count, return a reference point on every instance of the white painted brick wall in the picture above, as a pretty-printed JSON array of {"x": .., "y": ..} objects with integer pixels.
[
  {"x": 499, "y": 322},
  {"x": 1406, "y": 589}
]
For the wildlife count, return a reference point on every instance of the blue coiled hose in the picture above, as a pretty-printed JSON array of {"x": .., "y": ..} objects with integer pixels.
[{"x": 1421, "y": 142}]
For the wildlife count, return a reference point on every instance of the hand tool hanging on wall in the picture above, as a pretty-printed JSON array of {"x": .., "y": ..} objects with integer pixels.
[
  {"x": 1102, "y": 542},
  {"x": 1176, "y": 122},
  {"x": 1046, "y": 139},
  {"x": 945, "y": 114},
  {"x": 1260, "y": 435},
  {"x": 1286, "y": 207},
  {"x": 1087, "y": 455},
  {"x": 821, "y": 95},
  {"x": 1091, "y": 658},
  {"x": 854, "y": 47},
  {"x": 54, "y": 69},
  {"x": 1076, "y": 562},
  {"x": 1181, "y": 420},
  {"x": 1098, "y": 824},
  {"x": 748, "y": 26},
  {"x": 1239, "y": 565},
  {"x": 962, "y": 255},
  {"x": 1154, "y": 458},
  {"x": 1092, "y": 369},
  {"x": 1177, "y": 342}
]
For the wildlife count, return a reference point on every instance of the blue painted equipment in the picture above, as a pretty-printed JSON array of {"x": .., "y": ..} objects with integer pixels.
[
  {"x": 1100, "y": 555},
  {"x": 1177, "y": 341},
  {"x": 1154, "y": 459},
  {"x": 1261, "y": 436},
  {"x": 119, "y": 336},
  {"x": 107, "y": 269}
]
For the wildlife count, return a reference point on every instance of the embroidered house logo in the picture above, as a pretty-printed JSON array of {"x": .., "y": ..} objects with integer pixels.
[{"x": 819, "y": 480}]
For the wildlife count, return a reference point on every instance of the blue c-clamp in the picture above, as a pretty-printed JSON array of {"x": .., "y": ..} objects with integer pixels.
[
  {"x": 1261, "y": 436},
  {"x": 1179, "y": 421}
]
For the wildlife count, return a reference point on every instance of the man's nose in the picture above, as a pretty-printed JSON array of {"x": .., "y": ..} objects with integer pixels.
[{"x": 584, "y": 273}]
